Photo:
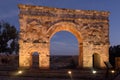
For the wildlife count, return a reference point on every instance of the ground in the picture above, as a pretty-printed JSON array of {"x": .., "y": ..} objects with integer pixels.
[{"x": 13, "y": 72}]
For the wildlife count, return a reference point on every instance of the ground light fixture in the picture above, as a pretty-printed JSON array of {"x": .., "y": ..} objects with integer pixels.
[
  {"x": 69, "y": 72},
  {"x": 112, "y": 71},
  {"x": 20, "y": 72},
  {"x": 94, "y": 71}
]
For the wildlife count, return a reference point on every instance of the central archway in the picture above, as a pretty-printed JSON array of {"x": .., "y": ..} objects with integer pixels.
[
  {"x": 63, "y": 43},
  {"x": 64, "y": 51},
  {"x": 69, "y": 27}
]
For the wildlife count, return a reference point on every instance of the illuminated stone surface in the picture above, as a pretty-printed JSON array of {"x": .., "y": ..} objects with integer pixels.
[{"x": 38, "y": 24}]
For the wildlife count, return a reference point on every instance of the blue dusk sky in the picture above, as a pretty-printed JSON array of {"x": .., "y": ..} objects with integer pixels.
[{"x": 65, "y": 43}]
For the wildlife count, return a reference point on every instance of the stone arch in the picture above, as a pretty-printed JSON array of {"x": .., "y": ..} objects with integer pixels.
[
  {"x": 96, "y": 60},
  {"x": 25, "y": 60},
  {"x": 35, "y": 60},
  {"x": 29, "y": 56},
  {"x": 91, "y": 28},
  {"x": 72, "y": 28},
  {"x": 66, "y": 26}
]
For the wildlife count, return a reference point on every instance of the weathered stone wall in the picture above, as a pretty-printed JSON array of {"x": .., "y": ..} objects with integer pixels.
[{"x": 38, "y": 24}]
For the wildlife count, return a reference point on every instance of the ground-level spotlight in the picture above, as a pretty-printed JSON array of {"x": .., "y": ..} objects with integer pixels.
[
  {"x": 112, "y": 71},
  {"x": 70, "y": 72},
  {"x": 94, "y": 72},
  {"x": 20, "y": 72}
]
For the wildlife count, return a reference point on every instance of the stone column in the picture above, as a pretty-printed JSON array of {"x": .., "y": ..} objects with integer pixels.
[
  {"x": 87, "y": 61},
  {"x": 87, "y": 55},
  {"x": 44, "y": 61},
  {"x": 25, "y": 60},
  {"x": 104, "y": 55},
  {"x": 80, "y": 55}
]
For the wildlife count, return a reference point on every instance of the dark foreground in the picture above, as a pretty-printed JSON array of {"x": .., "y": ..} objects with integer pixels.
[
  {"x": 8, "y": 73},
  {"x": 59, "y": 71}
]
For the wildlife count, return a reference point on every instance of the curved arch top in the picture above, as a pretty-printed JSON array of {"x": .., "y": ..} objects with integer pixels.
[{"x": 65, "y": 26}]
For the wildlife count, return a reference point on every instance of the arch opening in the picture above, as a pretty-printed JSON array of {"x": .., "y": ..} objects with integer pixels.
[
  {"x": 64, "y": 50},
  {"x": 35, "y": 60},
  {"x": 96, "y": 60}
]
